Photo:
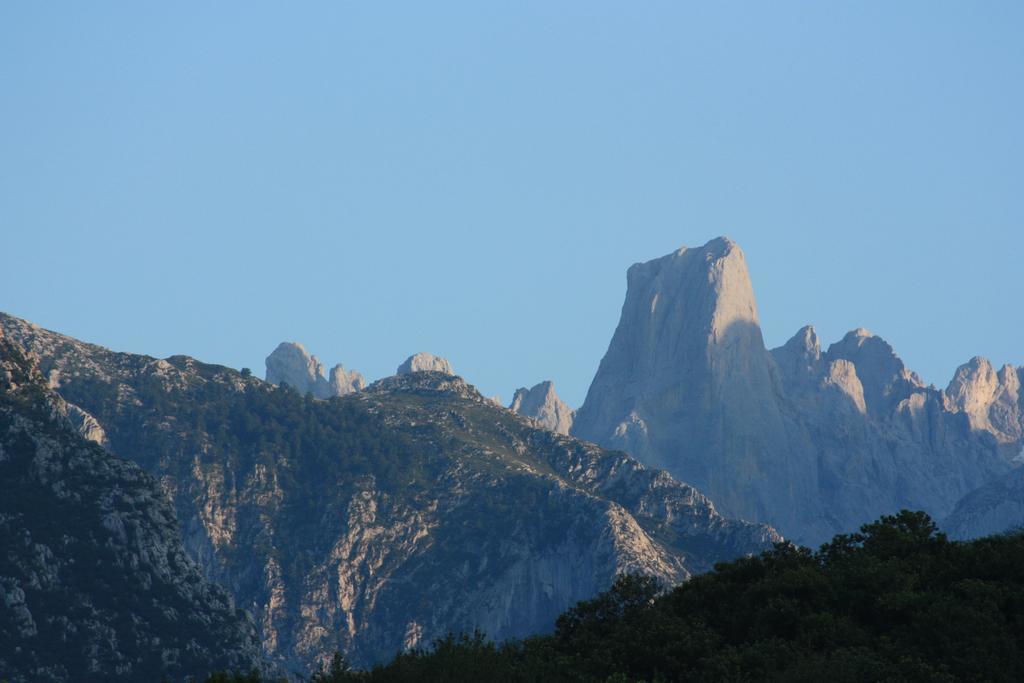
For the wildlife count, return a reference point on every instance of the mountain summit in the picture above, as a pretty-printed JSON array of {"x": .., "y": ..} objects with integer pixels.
[
  {"x": 388, "y": 517},
  {"x": 541, "y": 403},
  {"x": 291, "y": 364},
  {"x": 813, "y": 442},
  {"x": 687, "y": 384},
  {"x": 425, "y": 362}
]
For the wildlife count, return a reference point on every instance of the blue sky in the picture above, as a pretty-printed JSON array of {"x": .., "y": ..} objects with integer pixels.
[{"x": 473, "y": 179}]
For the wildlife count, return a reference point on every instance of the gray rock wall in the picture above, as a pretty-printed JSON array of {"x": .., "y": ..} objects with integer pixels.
[
  {"x": 814, "y": 443},
  {"x": 541, "y": 403}
]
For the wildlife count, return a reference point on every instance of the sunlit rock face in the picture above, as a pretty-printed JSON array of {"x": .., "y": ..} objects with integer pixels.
[
  {"x": 543, "y": 405},
  {"x": 344, "y": 381},
  {"x": 992, "y": 401},
  {"x": 687, "y": 385},
  {"x": 425, "y": 362},
  {"x": 993, "y": 404},
  {"x": 812, "y": 442},
  {"x": 291, "y": 364},
  {"x": 94, "y": 582},
  {"x": 387, "y": 517},
  {"x": 884, "y": 379}
]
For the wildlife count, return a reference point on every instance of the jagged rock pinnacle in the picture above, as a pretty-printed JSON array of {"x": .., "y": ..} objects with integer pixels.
[
  {"x": 812, "y": 442},
  {"x": 543, "y": 405},
  {"x": 991, "y": 400},
  {"x": 291, "y": 364}
]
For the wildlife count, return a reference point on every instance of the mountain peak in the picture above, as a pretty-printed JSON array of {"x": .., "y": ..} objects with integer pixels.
[
  {"x": 991, "y": 400},
  {"x": 543, "y": 405},
  {"x": 291, "y": 364},
  {"x": 800, "y": 357},
  {"x": 705, "y": 288},
  {"x": 886, "y": 380},
  {"x": 425, "y": 362},
  {"x": 721, "y": 246},
  {"x": 805, "y": 342},
  {"x": 688, "y": 341}
]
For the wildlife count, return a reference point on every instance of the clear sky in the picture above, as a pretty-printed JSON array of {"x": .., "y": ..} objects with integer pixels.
[{"x": 473, "y": 179}]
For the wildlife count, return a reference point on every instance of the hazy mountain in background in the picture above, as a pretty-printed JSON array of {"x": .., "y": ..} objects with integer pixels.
[{"x": 812, "y": 442}]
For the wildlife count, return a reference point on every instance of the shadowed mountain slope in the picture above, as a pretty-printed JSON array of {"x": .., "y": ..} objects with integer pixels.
[
  {"x": 94, "y": 582},
  {"x": 387, "y": 517}
]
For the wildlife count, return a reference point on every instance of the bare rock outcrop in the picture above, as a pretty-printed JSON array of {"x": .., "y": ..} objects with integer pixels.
[
  {"x": 992, "y": 401},
  {"x": 425, "y": 362},
  {"x": 812, "y": 442},
  {"x": 884, "y": 379},
  {"x": 291, "y": 364},
  {"x": 799, "y": 359},
  {"x": 541, "y": 403},
  {"x": 344, "y": 381},
  {"x": 687, "y": 384},
  {"x": 85, "y": 424}
]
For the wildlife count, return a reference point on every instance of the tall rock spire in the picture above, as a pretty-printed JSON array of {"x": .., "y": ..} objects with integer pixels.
[
  {"x": 687, "y": 384},
  {"x": 812, "y": 442}
]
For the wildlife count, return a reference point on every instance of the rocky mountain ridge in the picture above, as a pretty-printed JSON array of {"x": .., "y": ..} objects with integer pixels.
[
  {"x": 992, "y": 401},
  {"x": 813, "y": 442},
  {"x": 386, "y": 517},
  {"x": 94, "y": 582}
]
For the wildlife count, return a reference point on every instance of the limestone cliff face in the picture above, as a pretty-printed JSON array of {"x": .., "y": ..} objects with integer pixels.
[
  {"x": 94, "y": 582},
  {"x": 291, "y": 364},
  {"x": 344, "y": 381},
  {"x": 812, "y": 442},
  {"x": 543, "y": 405},
  {"x": 883, "y": 378},
  {"x": 994, "y": 404},
  {"x": 425, "y": 362},
  {"x": 992, "y": 401},
  {"x": 388, "y": 517},
  {"x": 878, "y": 439},
  {"x": 687, "y": 384}
]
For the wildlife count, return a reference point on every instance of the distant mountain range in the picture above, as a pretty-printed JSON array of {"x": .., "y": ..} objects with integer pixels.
[
  {"x": 813, "y": 442},
  {"x": 386, "y": 517},
  {"x": 368, "y": 518}
]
